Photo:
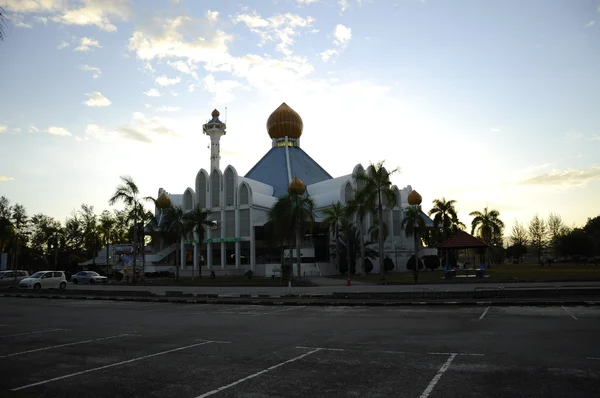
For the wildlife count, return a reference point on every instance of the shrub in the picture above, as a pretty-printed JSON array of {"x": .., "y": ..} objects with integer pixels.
[
  {"x": 249, "y": 274},
  {"x": 410, "y": 264},
  {"x": 388, "y": 264},
  {"x": 368, "y": 265},
  {"x": 431, "y": 262}
]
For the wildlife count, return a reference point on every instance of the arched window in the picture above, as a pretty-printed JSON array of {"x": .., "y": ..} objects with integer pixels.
[
  {"x": 188, "y": 200},
  {"x": 215, "y": 189},
  {"x": 348, "y": 193},
  {"x": 229, "y": 188},
  {"x": 244, "y": 195},
  {"x": 201, "y": 189}
]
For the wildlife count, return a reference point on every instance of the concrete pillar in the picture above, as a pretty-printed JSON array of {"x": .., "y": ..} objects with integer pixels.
[
  {"x": 252, "y": 244},
  {"x": 182, "y": 255},
  {"x": 196, "y": 252},
  {"x": 238, "y": 260}
]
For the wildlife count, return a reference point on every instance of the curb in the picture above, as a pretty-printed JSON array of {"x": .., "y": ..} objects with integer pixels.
[{"x": 297, "y": 301}]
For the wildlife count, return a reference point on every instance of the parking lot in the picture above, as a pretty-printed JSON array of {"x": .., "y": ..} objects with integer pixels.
[{"x": 73, "y": 348}]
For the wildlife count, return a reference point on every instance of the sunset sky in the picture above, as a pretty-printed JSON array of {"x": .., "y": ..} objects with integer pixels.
[{"x": 491, "y": 103}]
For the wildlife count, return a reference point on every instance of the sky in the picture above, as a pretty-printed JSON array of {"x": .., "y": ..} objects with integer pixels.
[{"x": 491, "y": 103}]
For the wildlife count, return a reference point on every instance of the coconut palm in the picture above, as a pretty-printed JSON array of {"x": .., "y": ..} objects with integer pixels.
[
  {"x": 487, "y": 224},
  {"x": 107, "y": 224},
  {"x": 128, "y": 193},
  {"x": 333, "y": 217},
  {"x": 378, "y": 193},
  {"x": 195, "y": 221},
  {"x": 359, "y": 207},
  {"x": 413, "y": 224},
  {"x": 279, "y": 226},
  {"x": 176, "y": 227}
]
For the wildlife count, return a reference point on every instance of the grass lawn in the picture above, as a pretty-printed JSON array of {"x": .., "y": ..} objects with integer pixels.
[
  {"x": 223, "y": 281},
  {"x": 513, "y": 272}
]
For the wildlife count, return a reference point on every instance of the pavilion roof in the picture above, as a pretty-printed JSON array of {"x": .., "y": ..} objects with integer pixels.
[{"x": 462, "y": 240}]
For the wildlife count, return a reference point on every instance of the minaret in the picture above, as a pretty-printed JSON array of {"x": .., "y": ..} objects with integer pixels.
[{"x": 215, "y": 129}]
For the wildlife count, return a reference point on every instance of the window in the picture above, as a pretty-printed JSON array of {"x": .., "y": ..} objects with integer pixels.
[
  {"x": 229, "y": 188},
  {"x": 201, "y": 189},
  {"x": 57, "y": 274},
  {"x": 244, "y": 195},
  {"x": 215, "y": 189},
  {"x": 47, "y": 275},
  {"x": 245, "y": 222},
  {"x": 230, "y": 223}
]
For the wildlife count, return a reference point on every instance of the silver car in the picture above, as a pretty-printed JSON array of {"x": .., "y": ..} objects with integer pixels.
[{"x": 90, "y": 277}]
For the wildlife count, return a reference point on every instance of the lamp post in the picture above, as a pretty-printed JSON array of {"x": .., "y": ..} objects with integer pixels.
[{"x": 414, "y": 200}]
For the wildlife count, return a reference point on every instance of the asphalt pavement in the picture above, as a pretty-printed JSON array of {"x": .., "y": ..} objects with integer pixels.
[
  {"x": 75, "y": 348},
  {"x": 310, "y": 290}
]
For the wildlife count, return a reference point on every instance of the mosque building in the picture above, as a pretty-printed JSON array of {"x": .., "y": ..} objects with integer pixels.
[{"x": 239, "y": 206}]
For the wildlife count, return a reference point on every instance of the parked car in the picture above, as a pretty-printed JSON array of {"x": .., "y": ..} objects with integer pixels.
[
  {"x": 8, "y": 276},
  {"x": 90, "y": 277},
  {"x": 45, "y": 280}
]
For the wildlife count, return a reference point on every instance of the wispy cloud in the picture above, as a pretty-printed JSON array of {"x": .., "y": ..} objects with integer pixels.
[
  {"x": 3, "y": 128},
  {"x": 96, "y": 99},
  {"x": 165, "y": 81},
  {"x": 341, "y": 36},
  {"x": 58, "y": 131},
  {"x": 565, "y": 178},
  {"x": 96, "y": 72},
  {"x": 33, "y": 128},
  {"x": 63, "y": 44},
  {"x": 589, "y": 24},
  {"x": 306, "y": 2},
  {"x": 152, "y": 93},
  {"x": 86, "y": 44},
  {"x": 5, "y": 178},
  {"x": 168, "y": 109}
]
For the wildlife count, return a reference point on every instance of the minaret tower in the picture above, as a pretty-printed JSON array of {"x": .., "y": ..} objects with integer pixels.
[{"x": 215, "y": 129}]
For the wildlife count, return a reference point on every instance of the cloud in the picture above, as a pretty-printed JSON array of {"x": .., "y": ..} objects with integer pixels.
[
  {"x": 97, "y": 13},
  {"x": 18, "y": 21},
  {"x": 33, "y": 6},
  {"x": 343, "y": 5},
  {"x": 43, "y": 20},
  {"x": 3, "y": 128},
  {"x": 341, "y": 37},
  {"x": 566, "y": 178},
  {"x": 96, "y": 72},
  {"x": 165, "y": 81},
  {"x": 152, "y": 93},
  {"x": 222, "y": 90},
  {"x": 96, "y": 99},
  {"x": 589, "y": 24},
  {"x": 95, "y": 132},
  {"x": 596, "y": 137},
  {"x": 212, "y": 15},
  {"x": 5, "y": 178},
  {"x": 494, "y": 130},
  {"x": 143, "y": 129},
  {"x": 58, "y": 131},
  {"x": 63, "y": 44},
  {"x": 306, "y": 2},
  {"x": 280, "y": 28},
  {"x": 184, "y": 67},
  {"x": 86, "y": 43},
  {"x": 168, "y": 109},
  {"x": 33, "y": 128}
]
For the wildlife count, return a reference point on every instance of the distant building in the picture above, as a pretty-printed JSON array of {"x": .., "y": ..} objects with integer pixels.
[{"x": 239, "y": 205}]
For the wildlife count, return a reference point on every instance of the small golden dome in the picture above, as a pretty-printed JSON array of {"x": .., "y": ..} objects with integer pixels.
[
  {"x": 215, "y": 113},
  {"x": 163, "y": 201},
  {"x": 296, "y": 187},
  {"x": 284, "y": 122},
  {"x": 414, "y": 199}
]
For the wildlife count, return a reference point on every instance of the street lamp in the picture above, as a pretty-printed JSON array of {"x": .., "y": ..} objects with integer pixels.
[{"x": 414, "y": 200}]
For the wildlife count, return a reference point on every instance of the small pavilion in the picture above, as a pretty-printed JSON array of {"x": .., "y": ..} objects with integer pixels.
[{"x": 462, "y": 240}]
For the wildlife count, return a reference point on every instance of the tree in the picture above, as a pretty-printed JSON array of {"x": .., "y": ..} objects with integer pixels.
[
  {"x": 107, "y": 224},
  {"x": 445, "y": 217},
  {"x": 577, "y": 243},
  {"x": 487, "y": 225},
  {"x": 128, "y": 193},
  {"x": 90, "y": 228},
  {"x": 20, "y": 221},
  {"x": 2, "y": 22},
  {"x": 333, "y": 216},
  {"x": 279, "y": 225},
  {"x": 556, "y": 228},
  {"x": 518, "y": 234},
  {"x": 378, "y": 193},
  {"x": 413, "y": 224},
  {"x": 538, "y": 235},
  {"x": 302, "y": 218},
  {"x": 360, "y": 207},
  {"x": 196, "y": 221},
  {"x": 177, "y": 228},
  {"x": 592, "y": 229}
]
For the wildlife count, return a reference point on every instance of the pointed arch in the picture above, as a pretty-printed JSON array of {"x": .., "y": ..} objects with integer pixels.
[
  {"x": 244, "y": 194},
  {"x": 215, "y": 188},
  {"x": 202, "y": 188},
  {"x": 188, "y": 199},
  {"x": 357, "y": 169},
  {"x": 230, "y": 184},
  {"x": 348, "y": 192}
]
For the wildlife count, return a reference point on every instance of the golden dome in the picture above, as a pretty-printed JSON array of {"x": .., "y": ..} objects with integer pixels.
[
  {"x": 215, "y": 113},
  {"x": 296, "y": 187},
  {"x": 163, "y": 201},
  {"x": 414, "y": 199},
  {"x": 284, "y": 122}
]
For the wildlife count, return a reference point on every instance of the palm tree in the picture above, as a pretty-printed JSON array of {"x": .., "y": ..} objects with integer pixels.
[
  {"x": 128, "y": 193},
  {"x": 444, "y": 215},
  {"x": 378, "y": 193},
  {"x": 333, "y": 217},
  {"x": 360, "y": 207},
  {"x": 196, "y": 220},
  {"x": 107, "y": 223},
  {"x": 413, "y": 223},
  {"x": 2, "y": 22},
  {"x": 175, "y": 225},
  {"x": 20, "y": 220},
  {"x": 280, "y": 226},
  {"x": 487, "y": 224},
  {"x": 302, "y": 217}
]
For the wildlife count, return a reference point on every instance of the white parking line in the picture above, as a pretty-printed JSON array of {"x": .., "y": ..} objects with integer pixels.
[
  {"x": 594, "y": 358},
  {"x": 36, "y": 332},
  {"x": 280, "y": 310},
  {"x": 231, "y": 309},
  {"x": 65, "y": 345},
  {"x": 569, "y": 312},
  {"x": 235, "y": 383},
  {"x": 484, "y": 312},
  {"x": 110, "y": 366},
  {"x": 438, "y": 376}
]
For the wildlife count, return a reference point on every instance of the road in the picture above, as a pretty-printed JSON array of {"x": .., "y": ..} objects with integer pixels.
[
  {"x": 71, "y": 348},
  {"x": 255, "y": 290}
]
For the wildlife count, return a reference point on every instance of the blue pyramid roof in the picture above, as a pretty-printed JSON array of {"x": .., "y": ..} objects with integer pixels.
[{"x": 272, "y": 169}]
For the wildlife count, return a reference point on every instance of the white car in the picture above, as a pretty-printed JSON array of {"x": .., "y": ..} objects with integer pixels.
[
  {"x": 7, "y": 277},
  {"x": 90, "y": 277},
  {"x": 45, "y": 280}
]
